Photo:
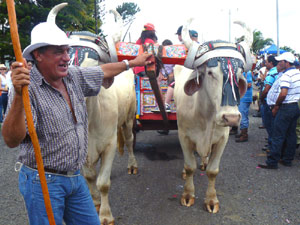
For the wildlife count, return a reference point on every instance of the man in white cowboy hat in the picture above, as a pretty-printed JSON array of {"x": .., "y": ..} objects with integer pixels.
[
  {"x": 57, "y": 94},
  {"x": 283, "y": 99}
]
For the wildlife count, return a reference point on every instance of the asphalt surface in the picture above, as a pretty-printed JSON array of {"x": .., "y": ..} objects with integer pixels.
[{"x": 247, "y": 194}]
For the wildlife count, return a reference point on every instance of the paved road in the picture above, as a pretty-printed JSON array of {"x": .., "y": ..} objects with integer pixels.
[{"x": 248, "y": 195}]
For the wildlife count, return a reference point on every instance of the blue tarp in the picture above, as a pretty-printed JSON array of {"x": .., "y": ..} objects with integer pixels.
[{"x": 272, "y": 50}]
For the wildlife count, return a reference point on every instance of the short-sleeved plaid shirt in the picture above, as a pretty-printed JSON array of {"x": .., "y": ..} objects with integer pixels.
[{"x": 63, "y": 141}]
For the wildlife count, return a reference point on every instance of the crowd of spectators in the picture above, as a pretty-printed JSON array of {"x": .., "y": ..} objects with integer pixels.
[{"x": 276, "y": 91}]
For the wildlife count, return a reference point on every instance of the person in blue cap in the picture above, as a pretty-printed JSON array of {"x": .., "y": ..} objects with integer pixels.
[{"x": 193, "y": 34}]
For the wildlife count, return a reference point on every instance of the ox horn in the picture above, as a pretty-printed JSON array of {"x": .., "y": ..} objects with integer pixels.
[
  {"x": 187, "y": 41},
  {"x": 117, "y": 33},
  {"x": 248, "y": 38},
  {"x": 52, "y": 14},
  {"x": 246, "y": 44},
  {"x": 191, "y": 45},
  {"x": 114, "y": 33}
]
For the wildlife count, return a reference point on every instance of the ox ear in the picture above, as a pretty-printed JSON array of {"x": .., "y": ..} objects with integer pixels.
[
  {"x": 192, "y": 84},
  {"x": 242, "y": 86}
]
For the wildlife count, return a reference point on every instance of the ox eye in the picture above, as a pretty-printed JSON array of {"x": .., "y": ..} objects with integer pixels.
[{"x": 210, "y": 73}]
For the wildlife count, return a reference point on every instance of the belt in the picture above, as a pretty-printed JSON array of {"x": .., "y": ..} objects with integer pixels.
[
  {"x": 290, "y": 103},
  {"x": 69, "y": 173},
  {"x": 66, "y": 173}
]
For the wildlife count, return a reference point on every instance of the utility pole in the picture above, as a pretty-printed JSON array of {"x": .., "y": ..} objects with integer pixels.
[
  {"x": 96, "y": 16},
  {"x": 229, "y": 25},
  {"x": 277, "y": 17}
]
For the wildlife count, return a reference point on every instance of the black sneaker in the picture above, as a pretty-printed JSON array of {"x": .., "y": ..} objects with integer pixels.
[
  {"x": 289, "y": 164},
  {"x": 266, "y": 166},
  {"x": 256, "y": 115},
  {"x": 155, "y": 110},
  {"x": 167, "y": 107},
  {"x": 164, "y": 132}
]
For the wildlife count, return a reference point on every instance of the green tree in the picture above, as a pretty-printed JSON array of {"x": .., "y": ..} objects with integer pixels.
[
  {"x": 78, "y": 15},
  {"x": 259, "y": 42},
  {"x": 127, "y": 10},
  {"x": 288, "y": 49}
]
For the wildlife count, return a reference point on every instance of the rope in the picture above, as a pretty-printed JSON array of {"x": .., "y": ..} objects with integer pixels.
[
  {"x": 158, "y": 57},
  {"x": 231, "y": 77}
]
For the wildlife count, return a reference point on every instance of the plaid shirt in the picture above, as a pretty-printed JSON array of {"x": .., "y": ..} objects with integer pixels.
[{"x": 63, "y": 141}]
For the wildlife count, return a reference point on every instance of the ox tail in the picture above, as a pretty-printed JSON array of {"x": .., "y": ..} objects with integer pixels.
[{"x": 121, "y": 142}]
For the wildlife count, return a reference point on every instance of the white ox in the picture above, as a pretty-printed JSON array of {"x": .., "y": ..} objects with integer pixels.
[
  {"x": 111, "y": 117},
  {"x": 112, "y": 111},
  {"x": 206, "y": 102}
]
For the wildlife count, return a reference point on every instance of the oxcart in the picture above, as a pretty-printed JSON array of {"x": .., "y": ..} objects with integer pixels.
[
  {"x": 151, "y": 113},
  {"x": 148, "y": 114}
]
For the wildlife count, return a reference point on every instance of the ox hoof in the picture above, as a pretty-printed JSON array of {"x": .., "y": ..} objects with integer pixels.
[
  {"x": 132, "y": 170},
  {"x": 106, "y": 223},
  {"x": 187, "y": 200},
  {"x": 212, "y": 208},
  {"x": 97, "y": 208}
]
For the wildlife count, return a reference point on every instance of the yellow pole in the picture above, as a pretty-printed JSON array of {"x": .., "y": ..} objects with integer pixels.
[{"x": 25, "y": 95}]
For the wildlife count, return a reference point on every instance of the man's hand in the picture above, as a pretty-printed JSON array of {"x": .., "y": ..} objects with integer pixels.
[
  {"x": 19, "y": 76},
  {"x": 275, "y": 110},
  {"x": 141, "y": 60}
]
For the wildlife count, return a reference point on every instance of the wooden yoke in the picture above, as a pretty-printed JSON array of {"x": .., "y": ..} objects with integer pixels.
[{"x": 171, "y": 54}]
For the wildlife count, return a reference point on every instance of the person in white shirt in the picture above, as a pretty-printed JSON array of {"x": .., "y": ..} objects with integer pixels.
[
  {"x": 3, "y": 90},
  {"x": 285, "y": 110}
]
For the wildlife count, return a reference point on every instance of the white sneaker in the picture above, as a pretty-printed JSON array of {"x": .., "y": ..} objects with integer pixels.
[{"x": 167, "y": 107}]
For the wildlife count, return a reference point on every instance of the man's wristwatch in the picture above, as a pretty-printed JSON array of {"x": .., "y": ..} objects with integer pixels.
[{"x": 127, "y": 64}]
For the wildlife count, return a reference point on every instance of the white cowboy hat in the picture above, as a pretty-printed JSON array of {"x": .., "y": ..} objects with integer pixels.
[{"x": 45, "y": 34}]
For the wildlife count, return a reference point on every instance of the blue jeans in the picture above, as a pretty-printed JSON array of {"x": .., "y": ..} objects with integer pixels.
[
  {"x": 244, "y": 110},
  {"x": 4, "y": 101},
  {"x": 1, "y": 109},
  {"x": 70, "y": 198},
  {"x": 261, "y": 109},
  {"x": 284, "y": 129},
  {"x": 267, "y": 121}
]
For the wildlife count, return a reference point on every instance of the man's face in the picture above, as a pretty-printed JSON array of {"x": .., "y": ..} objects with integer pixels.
[
  {"x": 269, "y": 65},
  {"x": 282, "y": 65},
  {"x": 53, "y": 61}
]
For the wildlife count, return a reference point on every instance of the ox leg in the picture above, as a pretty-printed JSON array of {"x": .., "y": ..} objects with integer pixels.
[
  {"x": 129, "y": 140},
  {"x": 90, "y": 173},
  {"x": 103, "y": 183},
  {"x": 211, "y": 201},
  {"x": 188, "y": 196}
]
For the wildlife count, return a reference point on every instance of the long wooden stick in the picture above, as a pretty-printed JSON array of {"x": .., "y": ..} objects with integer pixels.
[{"x": 26, "y": 102}]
